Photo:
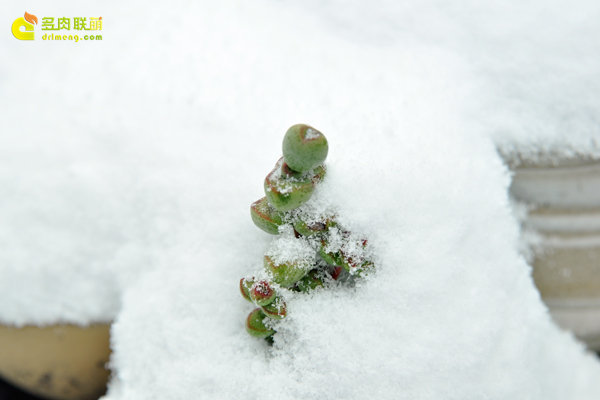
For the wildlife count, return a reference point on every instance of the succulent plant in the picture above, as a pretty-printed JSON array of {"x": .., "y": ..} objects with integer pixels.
[
  {"x": 285, "y": 192},
  {"x": 265, "y": 216},
  {"x": 245, "y": 286},
  {"x": 288, "y": 186},
  {"x": 355, "y": 264},
  {"x": 313, "y": 228},
  {"x": 276, "y": 309},
  {"x": 304, "y": 147},
  {"x": 255, "y": 324},
  {"x": 262, "y": 293},
  {"x": 310, "y": 281},
  {"x": 286, "y": 273}
]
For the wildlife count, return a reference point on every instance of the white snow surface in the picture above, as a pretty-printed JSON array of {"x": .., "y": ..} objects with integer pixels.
[
  {"x": 286, "y": 248},
  {"x": 128, "y": 167}
]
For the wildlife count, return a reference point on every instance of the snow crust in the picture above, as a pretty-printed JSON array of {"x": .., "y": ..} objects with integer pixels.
[{"x": 127, "y": 177}]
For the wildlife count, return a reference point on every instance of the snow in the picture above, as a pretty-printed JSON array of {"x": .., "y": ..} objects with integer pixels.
[
  {"x": 311, "y": 134},
  {"x": 286, "y": 248},
  {"x": 536, "y": 63},
  {"x": 128, "y": 167}
]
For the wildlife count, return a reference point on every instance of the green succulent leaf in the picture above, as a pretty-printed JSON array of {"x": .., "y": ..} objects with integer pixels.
[
  {"x": 275, "y": 310},
  {"x": 262, "y": 293},
  {"x": 245, "y": 285},
  {"x": 265, "y": 216},
  {"x": 304, "y": 147},
  {"x": 285, "y": 193},
  {"x": 285, "y": 274},
  {"x": 255, "y": 324}
]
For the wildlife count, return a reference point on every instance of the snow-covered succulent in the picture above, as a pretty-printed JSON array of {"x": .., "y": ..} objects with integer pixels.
[{"x": 311, "y": 249}]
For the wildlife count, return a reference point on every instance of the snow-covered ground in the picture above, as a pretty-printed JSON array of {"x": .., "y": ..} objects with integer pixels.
[{"x": 128, "y": 167}]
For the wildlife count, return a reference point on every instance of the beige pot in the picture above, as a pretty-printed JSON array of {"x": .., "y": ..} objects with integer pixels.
[
  {"x": 566, "y": 218},
  {"x": 64, "y": 362}
]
